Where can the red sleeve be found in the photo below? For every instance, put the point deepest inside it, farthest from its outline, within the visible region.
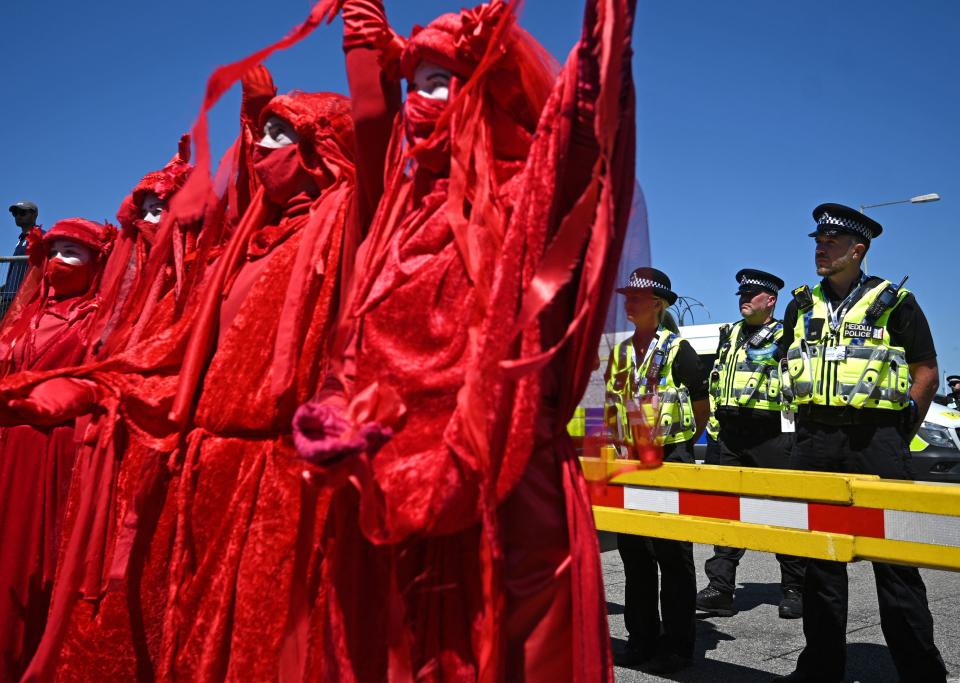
(376, 101)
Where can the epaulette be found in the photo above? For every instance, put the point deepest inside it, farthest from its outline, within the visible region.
(803, 297)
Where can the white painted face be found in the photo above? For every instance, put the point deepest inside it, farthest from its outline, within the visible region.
(431, 81)
(278, 132)
(152, 208)
(70, 252)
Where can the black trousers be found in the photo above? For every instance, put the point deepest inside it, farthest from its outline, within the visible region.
(748, 444)
(904, 615)
(659, 612)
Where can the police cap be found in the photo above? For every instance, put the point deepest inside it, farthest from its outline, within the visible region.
(652, 280)
(753, 280)
(834, 219)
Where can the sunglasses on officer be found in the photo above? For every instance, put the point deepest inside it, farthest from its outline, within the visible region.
(17, 211)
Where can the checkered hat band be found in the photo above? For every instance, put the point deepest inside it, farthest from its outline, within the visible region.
(764, 284)
(846, 223)
(643, 283)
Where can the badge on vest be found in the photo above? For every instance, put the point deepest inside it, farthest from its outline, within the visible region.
(836, 353)
(815, 329)
(862, 331)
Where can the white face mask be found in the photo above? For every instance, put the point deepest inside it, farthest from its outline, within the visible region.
(431, 81)
(152, 208)
(70, 252)
(278, 133)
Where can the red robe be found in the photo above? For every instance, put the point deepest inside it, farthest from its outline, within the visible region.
(204, 537)
(464, 549)
(35, 467)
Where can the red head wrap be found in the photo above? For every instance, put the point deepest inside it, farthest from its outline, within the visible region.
(97, 236)
(324, 122)
(498, 68)
(163, 183)
(454, 41)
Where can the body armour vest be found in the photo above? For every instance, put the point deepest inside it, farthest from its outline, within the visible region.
(845, 358)
(645, 391)
(746, 373)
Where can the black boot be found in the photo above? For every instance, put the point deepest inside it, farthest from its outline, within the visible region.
(715, 602)
(632, 656)
(791, 607)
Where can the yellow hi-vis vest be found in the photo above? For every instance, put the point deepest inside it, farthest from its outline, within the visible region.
(647, 390)
(852, 365)
(746, 373)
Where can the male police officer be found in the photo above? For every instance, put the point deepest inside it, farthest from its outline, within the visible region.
(25, 216)
(953, 395)
(661, 372)
(745, 388)
(862, 369)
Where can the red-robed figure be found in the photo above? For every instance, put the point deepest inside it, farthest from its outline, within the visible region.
(51, 328)
(140, 217)
(182, 564)
(459, 543)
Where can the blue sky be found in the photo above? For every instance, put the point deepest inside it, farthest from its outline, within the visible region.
(750, 114)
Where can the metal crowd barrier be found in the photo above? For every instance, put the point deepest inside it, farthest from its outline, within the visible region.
(839, 517)
(6, 296)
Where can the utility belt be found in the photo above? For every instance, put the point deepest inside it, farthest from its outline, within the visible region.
(844, 417)
(729, 416)
(759, 427)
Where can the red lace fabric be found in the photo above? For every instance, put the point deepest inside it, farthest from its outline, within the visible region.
(36, 462)
(480, 297)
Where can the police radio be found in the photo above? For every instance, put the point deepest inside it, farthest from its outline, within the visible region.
(885, 301)
(804, 298)
(762, 337)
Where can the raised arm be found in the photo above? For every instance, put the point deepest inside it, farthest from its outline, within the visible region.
(370, 45)
(589, 111)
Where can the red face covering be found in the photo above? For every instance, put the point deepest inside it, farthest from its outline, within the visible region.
(420, 115)
(280, 172)
(66, 280)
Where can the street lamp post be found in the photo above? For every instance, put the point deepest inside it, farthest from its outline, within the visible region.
(919, 199)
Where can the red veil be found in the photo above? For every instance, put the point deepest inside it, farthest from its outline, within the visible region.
(480, 298)
(127, 265)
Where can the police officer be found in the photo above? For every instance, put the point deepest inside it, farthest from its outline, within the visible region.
(657, 362)
(862, 369)
(745, 390)
(25, 216)
(953, 382)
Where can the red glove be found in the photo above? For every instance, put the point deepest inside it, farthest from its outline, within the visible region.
(327, 430)
(329, 9)
(323, 434)
(56, 401)
(257, 91)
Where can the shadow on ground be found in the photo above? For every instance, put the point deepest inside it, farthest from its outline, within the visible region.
(751, 595)
(709, 670)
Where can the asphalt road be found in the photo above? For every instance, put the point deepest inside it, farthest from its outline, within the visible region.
(755, 644)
